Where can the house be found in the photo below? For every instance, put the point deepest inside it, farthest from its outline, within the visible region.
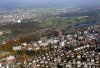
(30, 48)
(25, 44)
(62, 43)
(10, 58)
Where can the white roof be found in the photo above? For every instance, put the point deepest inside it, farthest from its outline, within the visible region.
(10, 58)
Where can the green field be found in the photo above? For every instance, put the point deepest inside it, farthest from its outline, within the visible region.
(60, 22)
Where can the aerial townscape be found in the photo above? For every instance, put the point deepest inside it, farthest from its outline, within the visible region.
(49, 34)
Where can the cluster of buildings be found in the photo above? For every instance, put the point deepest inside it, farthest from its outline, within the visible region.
(79, 48)
(15, 16)
(36, 45)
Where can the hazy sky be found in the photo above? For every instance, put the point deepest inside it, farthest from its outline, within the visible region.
(6, 3)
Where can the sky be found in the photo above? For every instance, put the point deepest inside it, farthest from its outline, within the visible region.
(12, 3)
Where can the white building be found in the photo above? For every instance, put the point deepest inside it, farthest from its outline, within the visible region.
(17, 48)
